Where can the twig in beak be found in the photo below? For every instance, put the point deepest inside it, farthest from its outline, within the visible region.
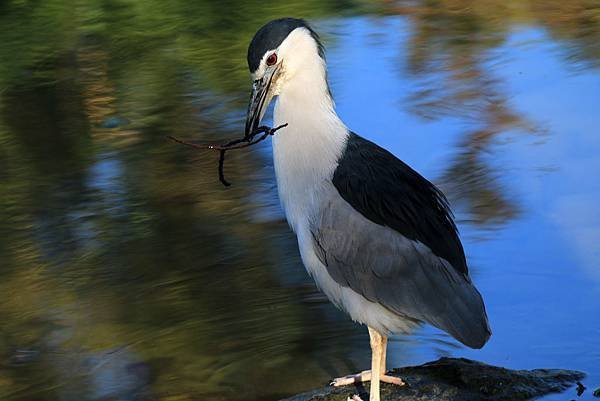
(235, 144)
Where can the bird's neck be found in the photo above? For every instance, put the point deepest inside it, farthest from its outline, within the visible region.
(306, 152)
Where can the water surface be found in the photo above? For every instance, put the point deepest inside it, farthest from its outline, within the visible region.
(130, 273)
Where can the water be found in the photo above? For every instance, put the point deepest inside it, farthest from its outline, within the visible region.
(130, 273)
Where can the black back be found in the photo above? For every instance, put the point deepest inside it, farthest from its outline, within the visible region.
(388, 192)
(270, 37)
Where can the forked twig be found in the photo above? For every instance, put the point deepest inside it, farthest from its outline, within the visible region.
(244, 142)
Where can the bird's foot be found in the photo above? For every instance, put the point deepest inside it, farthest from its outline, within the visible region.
(365, 376)
(355, 397)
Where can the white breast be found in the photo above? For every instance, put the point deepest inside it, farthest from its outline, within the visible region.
(305, 153)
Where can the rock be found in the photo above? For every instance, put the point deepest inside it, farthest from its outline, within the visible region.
(454, 379)
(580, 388)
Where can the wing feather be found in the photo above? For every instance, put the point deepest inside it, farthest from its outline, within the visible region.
(388, 192)
(387, 233)
(400, 274)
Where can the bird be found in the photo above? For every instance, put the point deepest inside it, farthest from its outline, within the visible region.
(378, 238)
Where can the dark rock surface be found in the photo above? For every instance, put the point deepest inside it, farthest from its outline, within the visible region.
(451, 379)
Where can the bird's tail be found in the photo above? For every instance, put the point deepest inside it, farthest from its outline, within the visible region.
(467, 319)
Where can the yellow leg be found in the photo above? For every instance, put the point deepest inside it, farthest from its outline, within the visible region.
(384, 341)
(376, 362)
(379, 351)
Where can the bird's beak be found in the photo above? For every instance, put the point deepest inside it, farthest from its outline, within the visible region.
(259, 100)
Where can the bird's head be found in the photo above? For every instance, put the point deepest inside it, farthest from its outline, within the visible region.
(283, 52)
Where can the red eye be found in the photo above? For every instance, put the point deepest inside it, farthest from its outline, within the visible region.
(272, 59)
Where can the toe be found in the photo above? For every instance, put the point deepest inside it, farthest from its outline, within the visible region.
(351, 379)
(392, 380)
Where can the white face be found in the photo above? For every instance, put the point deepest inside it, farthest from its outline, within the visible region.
(296, 53)
(295, 62)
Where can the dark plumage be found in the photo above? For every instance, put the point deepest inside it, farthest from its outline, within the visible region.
(271, 35)
(401, 250)
(388, 192)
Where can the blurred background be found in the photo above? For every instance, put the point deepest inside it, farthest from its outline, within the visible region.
(128, 272)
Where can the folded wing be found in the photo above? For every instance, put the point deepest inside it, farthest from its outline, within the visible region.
(387, 233)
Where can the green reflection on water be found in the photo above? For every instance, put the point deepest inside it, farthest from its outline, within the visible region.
(127, 271)
(123, 264)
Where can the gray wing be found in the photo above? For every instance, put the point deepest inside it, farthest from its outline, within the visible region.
(403, 275)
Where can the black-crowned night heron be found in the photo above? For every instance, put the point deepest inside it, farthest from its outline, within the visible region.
(376, 236)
